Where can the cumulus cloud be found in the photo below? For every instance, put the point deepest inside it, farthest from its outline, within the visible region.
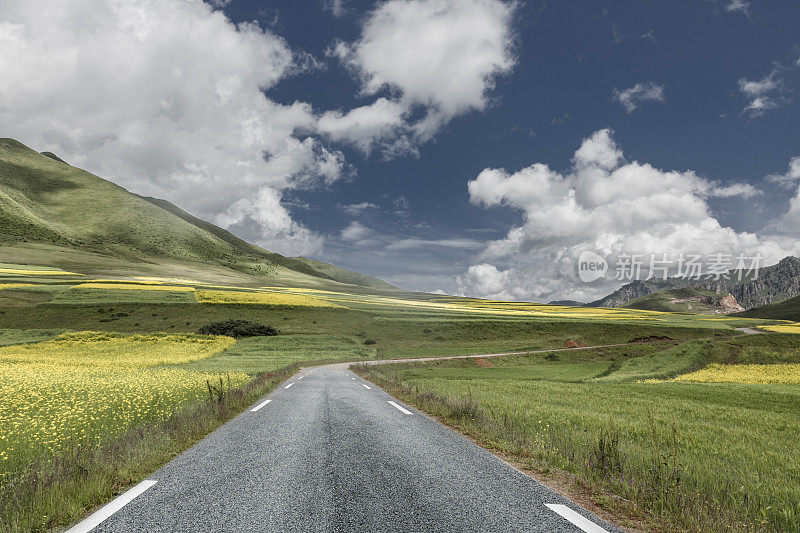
(381, 122)
(603, 203)
(641, 92)
(166, 99)
(435, 58)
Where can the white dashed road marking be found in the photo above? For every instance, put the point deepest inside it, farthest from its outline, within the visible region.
(109, 509)
(583, 523)
(366, 387)
(289, 385)
(259, 406)
(403, 409)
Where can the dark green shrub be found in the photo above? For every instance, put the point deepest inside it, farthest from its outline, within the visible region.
(237, 328)
(370, 342)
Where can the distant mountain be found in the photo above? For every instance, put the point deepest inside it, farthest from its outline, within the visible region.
(566, 302)
(773, 284)
(687, 300)
(45, 201)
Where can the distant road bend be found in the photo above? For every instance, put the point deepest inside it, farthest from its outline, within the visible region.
(327, 451)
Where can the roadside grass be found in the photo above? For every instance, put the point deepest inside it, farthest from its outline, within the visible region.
(255, 355)
(684, 456)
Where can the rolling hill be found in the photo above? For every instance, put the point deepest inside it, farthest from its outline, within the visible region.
(788, 309)
(687, 300)
(50, 205)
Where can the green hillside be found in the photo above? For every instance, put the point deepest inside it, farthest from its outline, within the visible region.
(686, 300)
(47, 203)
(785, 310)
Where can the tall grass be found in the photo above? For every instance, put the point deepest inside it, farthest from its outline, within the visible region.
(682, 463)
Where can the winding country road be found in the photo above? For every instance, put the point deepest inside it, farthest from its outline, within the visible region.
(328, 451)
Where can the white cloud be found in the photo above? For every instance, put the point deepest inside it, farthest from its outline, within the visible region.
(791, 174)
(355, 232)
(744, 190)
(336, 7)
(758, 106)
(641, 92)
(761, 93)
(441, 56)
(165, 98)
(740, 6)
(357, 209)
(380, 122)
(603, 203)
(406, 244)
(759, 87)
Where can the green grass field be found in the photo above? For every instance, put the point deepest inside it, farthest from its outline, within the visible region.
(687, 456)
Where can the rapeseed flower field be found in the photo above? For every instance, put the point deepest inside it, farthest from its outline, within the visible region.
(131, 286)
(87, 387)
(783, 328)
(260, 298)
(750, 373)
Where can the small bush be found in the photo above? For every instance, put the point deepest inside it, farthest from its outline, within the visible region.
(370, 342)
(237, 328)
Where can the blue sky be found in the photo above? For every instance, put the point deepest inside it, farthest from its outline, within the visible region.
(687, 111)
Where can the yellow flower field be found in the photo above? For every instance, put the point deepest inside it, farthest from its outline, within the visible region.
(35, 272)
(783, 328)
(751, 373)
(14, 285)
(260, 298)
(474, 306)
(116, 350)
(130, 286)
(93, 386)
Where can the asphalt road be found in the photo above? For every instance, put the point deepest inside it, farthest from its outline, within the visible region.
(329, 452)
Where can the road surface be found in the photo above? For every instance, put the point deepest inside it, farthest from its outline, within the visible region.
(327, 451)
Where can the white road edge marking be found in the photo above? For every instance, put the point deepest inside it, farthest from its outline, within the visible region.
(289, 385)
(301, 377)
(583, 523)
(259, 406)
(403, 409)
(100, 516)
(366, 387)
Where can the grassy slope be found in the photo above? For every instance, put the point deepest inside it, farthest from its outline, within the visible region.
(256, 355)
(663, 301)
(44, 201)
(696, 456)
(786, 310)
